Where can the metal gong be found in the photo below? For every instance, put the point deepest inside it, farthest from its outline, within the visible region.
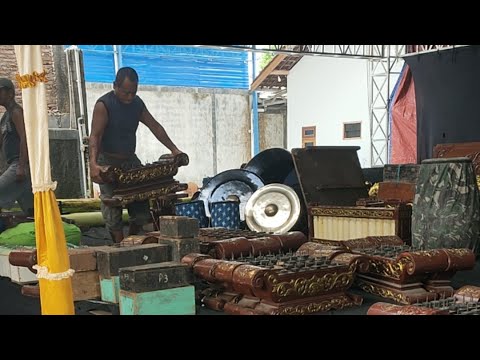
(230, 185)
(273, 208)
(274, 166)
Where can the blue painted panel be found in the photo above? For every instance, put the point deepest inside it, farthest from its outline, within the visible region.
(98, 63)
(170, 65)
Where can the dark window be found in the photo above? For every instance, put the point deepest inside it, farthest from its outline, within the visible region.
(352, 130)
(308, 143)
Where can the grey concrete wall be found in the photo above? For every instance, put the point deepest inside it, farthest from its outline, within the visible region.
(232, 122)
(65, 163)
(272, 130)
(210, 125)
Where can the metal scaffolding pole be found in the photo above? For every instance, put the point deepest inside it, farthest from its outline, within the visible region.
(382, 76)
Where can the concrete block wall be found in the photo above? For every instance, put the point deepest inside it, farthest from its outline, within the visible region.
(211, 125)
(64, 144)
(272, 128)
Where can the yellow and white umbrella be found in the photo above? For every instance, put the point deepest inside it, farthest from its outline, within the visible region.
(53, 265)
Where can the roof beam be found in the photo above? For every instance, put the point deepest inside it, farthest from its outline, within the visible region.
(280, 72)
(267, 71)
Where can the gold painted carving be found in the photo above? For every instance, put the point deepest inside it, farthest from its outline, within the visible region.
(469, 291)
(391, 269)
(458, 252)
(30, 80)
(127, 199)
(385, 293)
(145, 174)
(427, 253)
(335, 303)
(406, 310)
(313, 286)
(355, 213)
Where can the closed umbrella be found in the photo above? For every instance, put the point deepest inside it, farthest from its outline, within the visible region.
(53, 265)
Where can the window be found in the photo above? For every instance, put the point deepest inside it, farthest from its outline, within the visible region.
(309, 136)
(352, 130)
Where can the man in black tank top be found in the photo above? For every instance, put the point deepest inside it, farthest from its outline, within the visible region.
(15, 182)
(116, 116)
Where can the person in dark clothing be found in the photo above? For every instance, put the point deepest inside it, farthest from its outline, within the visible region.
(115, 120)
(15, 182)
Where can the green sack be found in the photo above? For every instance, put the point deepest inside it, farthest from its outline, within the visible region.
(24, 235)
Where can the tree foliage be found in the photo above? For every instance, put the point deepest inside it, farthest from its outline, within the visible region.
(265, 59)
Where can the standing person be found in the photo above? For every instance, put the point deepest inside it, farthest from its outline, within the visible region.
(15, 182)
(115, 120)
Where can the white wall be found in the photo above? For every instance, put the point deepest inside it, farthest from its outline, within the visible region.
(326, 92)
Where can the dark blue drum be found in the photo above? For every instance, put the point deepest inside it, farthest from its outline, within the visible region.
(193, 209)
(225, 214)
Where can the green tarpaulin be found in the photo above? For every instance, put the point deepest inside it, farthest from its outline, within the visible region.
(24, 235)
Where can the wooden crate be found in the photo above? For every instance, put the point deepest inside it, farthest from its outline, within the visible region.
(109, 289)
(86, 285)
(340, 223)
(109, 261)
(153, 277)
(177, 301)
(82, 259)
(402, 191)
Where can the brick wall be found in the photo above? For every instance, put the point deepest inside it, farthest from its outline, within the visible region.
(8, 69)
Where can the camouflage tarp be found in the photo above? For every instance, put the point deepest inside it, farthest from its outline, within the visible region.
(446, 212)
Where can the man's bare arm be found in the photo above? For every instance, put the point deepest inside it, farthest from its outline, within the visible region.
(158, 131)
(18, 121)
(99, 123)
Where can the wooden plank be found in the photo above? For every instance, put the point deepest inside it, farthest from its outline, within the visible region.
(82, 259)
(178, 301)
(267, 70)
(154, 277)
(86, 285)
(280, 72)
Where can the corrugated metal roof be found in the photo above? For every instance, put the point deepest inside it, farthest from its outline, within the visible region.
(170, 65)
